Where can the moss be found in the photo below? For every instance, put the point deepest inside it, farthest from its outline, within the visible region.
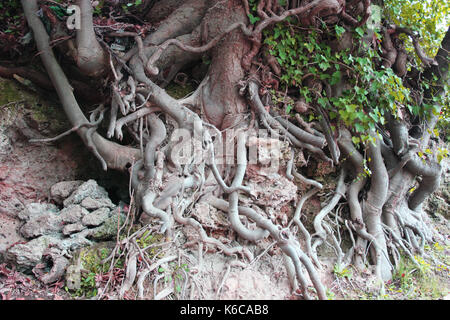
(91, 257)
(41, 113)
(148, 239)
(9, 92)
(85, 266)
(177, 91)
(108, 230)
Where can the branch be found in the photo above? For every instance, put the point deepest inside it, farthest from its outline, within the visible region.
(427, 61)
(152, 70)
(116, 156)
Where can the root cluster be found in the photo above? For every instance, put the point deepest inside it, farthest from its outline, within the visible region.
(173, 162)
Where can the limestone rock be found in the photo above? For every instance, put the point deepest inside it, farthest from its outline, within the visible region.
(72, 214)
(68, 229)
(58, 262)
(41, 225)
(26, 255)
(96, 217)
(270, 188)
(92, 204)
(73, 228)
(108, 230)
(35, 209)
(89, 188)
(64, 189)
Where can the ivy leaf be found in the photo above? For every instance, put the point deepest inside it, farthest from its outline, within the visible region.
(359, 31)
(289, 108)
(335, 77)
(356, 140)
(339, 30)
(276, 32)
(359, 127)
(324, 65)
(253, 19)
(322, 102)
(282, 55)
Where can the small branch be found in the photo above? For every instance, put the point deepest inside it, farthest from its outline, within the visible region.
(150, 66)
(339, 192)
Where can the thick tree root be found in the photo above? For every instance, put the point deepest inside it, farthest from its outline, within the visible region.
(166, 189)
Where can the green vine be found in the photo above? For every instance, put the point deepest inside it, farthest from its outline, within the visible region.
(373, 90)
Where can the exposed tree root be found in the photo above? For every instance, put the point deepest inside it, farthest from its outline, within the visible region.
(175, 166)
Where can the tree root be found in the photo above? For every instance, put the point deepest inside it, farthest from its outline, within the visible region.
(167, 190)
(289, 246)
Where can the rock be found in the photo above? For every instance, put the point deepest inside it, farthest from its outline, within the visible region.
(270, 188)
(209, 216)
(35, 209)
(90, 203)
(26, 255)
(58, 263)
(28, 170)
(267, 150)
(73, 275)
(41, 225)
(108, 230)
(248, 284)
(72, 214)
(64, 189)
(73, 228)
(90, 189)
(9, 233)
(96, 218)
(66, 230)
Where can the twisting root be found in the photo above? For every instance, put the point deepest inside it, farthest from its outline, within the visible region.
(93, 124)
(338, 194)
(150, 66)
(270, 123)
(297, 220)
(133, 117)
(289, 246)
(180, 208)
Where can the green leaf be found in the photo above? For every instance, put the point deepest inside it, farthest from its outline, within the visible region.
(289, 108)
(324, 65)
(335, 77)
(356, 140)
(323, 102)
(339, 30)
(359, 31)
(276, 33)
(359, 127)
(253, 19)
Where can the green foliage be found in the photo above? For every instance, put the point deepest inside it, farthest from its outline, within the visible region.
(149, 239)
(175, 274)
(342, 272)
(373, 92)
(91, 264)
(414, 282)
(11, 18)
(428, 18)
